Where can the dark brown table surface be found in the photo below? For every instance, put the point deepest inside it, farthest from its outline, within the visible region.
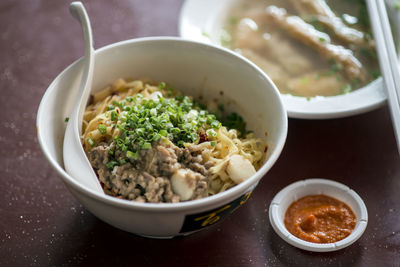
(41, 224)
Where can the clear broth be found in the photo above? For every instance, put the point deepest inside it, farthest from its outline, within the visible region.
(296, 68)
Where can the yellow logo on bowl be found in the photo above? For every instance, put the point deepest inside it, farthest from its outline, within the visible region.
(197, 221)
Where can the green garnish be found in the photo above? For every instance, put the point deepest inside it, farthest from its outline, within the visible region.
(114, 115)
(225, 38)
(178, 119)
(396, 5)
(102, 128)
(163, 133)
(111, 164)
(346, 88)
(234, 121)
(132, 155)
(215, 124)
(336, 67)
(322, 40)
(143, 122)
(162, 85)
(316, 23)
(374, 73)
(205, 34)
(91, 142)
(212, 133)
(146, 145)
(369, 53)
(66, 119)
(355, 83)
(304, 80)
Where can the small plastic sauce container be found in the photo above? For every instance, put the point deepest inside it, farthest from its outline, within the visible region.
(308, 187)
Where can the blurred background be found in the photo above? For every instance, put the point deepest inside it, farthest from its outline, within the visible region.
(41, 224)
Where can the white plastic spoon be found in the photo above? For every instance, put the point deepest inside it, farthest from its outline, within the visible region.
(75, 161)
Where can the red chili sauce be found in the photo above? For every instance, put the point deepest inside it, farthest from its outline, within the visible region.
(320, 219)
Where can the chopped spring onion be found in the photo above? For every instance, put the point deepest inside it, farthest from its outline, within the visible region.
(102, 128)
(111, 164)
(91, 142)
(176, 118)
(114, 115)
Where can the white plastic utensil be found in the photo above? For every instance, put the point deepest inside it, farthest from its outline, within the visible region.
(387, 60)
(75, 161)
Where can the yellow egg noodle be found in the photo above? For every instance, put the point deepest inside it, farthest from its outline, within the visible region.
(226, 143)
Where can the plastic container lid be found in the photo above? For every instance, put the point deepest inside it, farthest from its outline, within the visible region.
(303, 188)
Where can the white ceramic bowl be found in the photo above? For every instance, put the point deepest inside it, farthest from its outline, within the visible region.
(193, 68)
(303, 188)
(202, 20)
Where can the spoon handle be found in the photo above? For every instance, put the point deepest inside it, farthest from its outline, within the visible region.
(75, 161)
(78, 11)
